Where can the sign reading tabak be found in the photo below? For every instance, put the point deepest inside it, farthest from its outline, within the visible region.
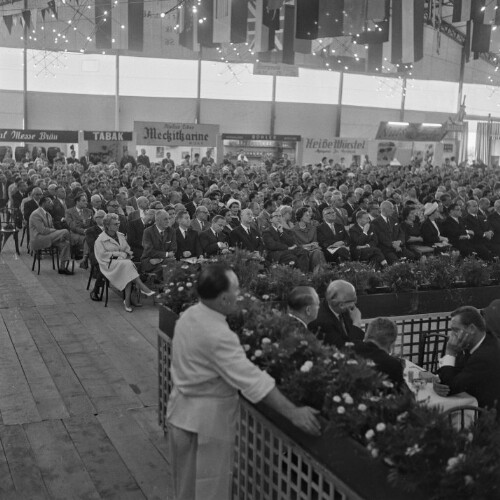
(176, 134)
(54, 136)
(106, 136)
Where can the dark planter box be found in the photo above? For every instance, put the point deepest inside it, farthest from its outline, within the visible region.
(348, 460)
(425, 302)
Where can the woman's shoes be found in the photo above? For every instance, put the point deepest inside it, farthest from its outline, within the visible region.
(148, 294)
(127, 308)
(95, 296)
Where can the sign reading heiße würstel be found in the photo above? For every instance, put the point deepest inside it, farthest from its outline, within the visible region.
(54, 136)
(176, 134)
(101, 135)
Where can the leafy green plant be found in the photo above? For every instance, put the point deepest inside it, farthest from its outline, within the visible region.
(474, 272)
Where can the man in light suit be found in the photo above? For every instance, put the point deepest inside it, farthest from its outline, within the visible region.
(43, 234)
(200, 222)
(159, 244)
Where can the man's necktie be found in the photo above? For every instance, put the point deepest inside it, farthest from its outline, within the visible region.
(343, 327)
(48, 218)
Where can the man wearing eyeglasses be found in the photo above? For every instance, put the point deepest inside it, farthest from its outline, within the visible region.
(339, 320)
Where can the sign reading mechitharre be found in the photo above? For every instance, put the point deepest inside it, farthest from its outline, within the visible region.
(175, 134)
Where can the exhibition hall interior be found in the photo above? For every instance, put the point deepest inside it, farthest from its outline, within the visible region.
(250, 249)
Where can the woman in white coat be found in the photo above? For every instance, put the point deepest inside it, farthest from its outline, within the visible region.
(113, 254)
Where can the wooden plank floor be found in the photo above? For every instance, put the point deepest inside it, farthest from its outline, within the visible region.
(78, 390)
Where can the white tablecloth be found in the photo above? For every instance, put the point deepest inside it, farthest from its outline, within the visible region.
(427, 395)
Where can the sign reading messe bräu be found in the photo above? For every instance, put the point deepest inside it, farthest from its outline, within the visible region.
(175, 134)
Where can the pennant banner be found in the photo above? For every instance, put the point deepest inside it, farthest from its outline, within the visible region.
(407, 31)
(230, 21)
(319, 18)
(461, 11)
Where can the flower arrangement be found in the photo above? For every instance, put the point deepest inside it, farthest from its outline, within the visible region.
(474, 272)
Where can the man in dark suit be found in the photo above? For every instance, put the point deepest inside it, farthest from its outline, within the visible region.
(303, 306)
(454, 229)
(135, 233)
(332, 237)
(281, 246)
(212, 241)
(245, 236)
(142, 204)
(472, 360)
(377, 346)
(59, 209)
(192, 205)
(350, 206)
(480, 232)
(363, 246)
(4, 190)
(494, 223)
(339, 320)
(386, 233)
(188, 242)
(159, 244)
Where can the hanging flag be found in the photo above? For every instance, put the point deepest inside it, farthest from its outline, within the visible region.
(374, 57)
(188, 29)
(478, 8)
(376, 10)
(206, 24)
(275, 4)
(319, 18)
(103, 35)
(27, 18)
(8, 23)
(135, 25)
(480, 37)
(230, 21)
(52, 6)
(355, 16)
(43, 12)
(378, 33)
(265, 26)
(491, 13)
(288, 55)
(407, 31)
(462, 10)
(300, 45)
(33, 18)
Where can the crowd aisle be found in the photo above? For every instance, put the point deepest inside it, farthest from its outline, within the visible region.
(78, 391)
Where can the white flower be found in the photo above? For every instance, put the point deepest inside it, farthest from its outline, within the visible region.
(304, 342)
(291, 263)
(337, 399)
(246, 347)
(380, 427)
(338, 355)
(375, 399)
(171, 284)
(189, 285)
(341, 410)
(184, 267)
(180, 288)
(266, 340)
(468, 480)
(258, 353)
(369, 434)
(247, 332)
(239, 298)
(413, 450)
(352, 362)
(362, 407)
(349, 344)
(386, 383)
(374, 453)
(265, 297)
(347, 398)
(454, 461)
(306, 367)
(470, 437)
(370, 363)
(253, 298)
(402, 417)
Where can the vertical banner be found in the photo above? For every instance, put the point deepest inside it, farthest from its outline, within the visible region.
(136, 25)
(230, 21)
(407, 31)
(289, 35)
(103, 24)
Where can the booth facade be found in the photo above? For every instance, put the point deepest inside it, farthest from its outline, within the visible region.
(178, 139)
(261, 147)
(27, 144)
(106, 145)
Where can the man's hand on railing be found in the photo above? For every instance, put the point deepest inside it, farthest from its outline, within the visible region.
(305, 419)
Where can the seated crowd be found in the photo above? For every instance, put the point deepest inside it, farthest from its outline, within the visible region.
(303, 216)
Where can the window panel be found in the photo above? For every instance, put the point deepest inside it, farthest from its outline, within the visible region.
(11, 69)
(371, 91)
(431, 95)
(311, 86)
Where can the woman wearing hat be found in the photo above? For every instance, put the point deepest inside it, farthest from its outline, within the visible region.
(234, 207)
(430, 229)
